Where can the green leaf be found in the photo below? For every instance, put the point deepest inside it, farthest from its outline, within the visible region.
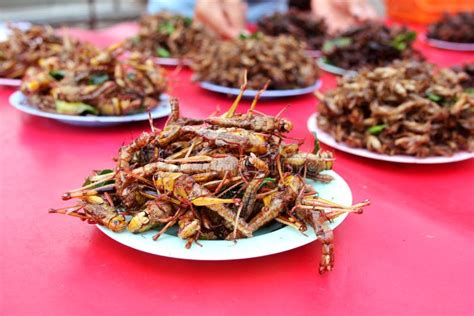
(99, 173)
(316, 145)
(401, 41)
(326, 60)
(338, 42)
(97, 79)
(162, 52)
(104, 171)
(469, 91)
(167, 28)
(75, 108)
(376, 129)
(57, 74)
(433, 97)
(135, 39)
(187, 21)
(265, 181)
(256, 35)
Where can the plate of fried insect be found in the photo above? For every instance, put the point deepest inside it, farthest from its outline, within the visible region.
(221, 188)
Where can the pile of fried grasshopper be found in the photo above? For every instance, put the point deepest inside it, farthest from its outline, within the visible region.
(222, 177)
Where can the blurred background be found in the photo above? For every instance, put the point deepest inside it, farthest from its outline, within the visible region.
(93, 13)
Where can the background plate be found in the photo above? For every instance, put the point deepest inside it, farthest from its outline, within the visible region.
(267, 94)
(314, 53)
(19, 101)
(275, 241)
(333, 69)
(330, 141)
(5, 30)
(447, 45)
(10, 82)
(172, 61)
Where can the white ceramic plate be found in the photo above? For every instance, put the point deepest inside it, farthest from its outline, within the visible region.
(4, 33)
(5, 30)
(10, 82)
(19, 101)
(270, 240)
(172, 61)
(330, 141)
(267, 94)
(314, 53)
(334, 69)
(448, 45)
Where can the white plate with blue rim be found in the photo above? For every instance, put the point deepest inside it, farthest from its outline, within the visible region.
(269, 240)
(327, 139)
(266, 94)
(19, 101)
(324, 65)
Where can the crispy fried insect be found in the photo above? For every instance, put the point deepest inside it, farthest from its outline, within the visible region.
(155, 213)
(95, 210)
(219, 178)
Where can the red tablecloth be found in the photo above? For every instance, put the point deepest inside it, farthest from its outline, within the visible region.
(410, 253)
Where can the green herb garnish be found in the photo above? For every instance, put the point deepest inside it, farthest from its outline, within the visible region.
(434, 97)
(326, 60)
(469, 91)
(376, 129)
(187, 21)
(338, 42)
(135, 39)
(401, 41)
(316, 145)
(74, 108)
(167, 28)
(265, 181)
(57, 74)
(255, 35)
(97, 79)
(162, 52)
(99, 173)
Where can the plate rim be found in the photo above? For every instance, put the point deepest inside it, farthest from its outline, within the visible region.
(172, 61)
(327, 139)
(209, 86)
(8, 82)
(294, 239)
(17, 99)
(314, 53)
(335, 70)
(441, 44)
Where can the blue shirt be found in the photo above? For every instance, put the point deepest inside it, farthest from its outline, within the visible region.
(256, 8)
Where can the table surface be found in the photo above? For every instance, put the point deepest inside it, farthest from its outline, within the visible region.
(410, 253)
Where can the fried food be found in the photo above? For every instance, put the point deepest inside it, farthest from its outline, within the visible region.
(25, 49)
(299, 24)
(280, 60)
(370, 44)
(168, 35)
(223, 177)
(407, 108)
(104, 84)
(467, 81)
(456, 28)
